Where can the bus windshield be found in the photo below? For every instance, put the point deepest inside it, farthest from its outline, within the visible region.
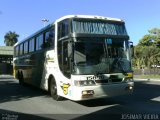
(101, 56)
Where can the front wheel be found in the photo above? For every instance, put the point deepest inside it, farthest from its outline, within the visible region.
(53, 90)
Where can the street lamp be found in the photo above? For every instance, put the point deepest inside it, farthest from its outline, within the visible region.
(45, 21)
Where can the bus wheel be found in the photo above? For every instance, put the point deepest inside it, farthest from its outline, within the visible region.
(53, 90)
(20, 78)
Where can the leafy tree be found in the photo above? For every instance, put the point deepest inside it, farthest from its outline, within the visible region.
(147, 40)
(137, 60)
(10, 38)
(146, 53)
(154, 31)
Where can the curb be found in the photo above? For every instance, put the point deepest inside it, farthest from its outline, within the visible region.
(146, 79)
(6, 77)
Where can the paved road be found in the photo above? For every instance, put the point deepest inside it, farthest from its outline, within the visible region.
(19, 103)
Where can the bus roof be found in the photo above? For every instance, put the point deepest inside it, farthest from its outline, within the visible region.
(89, 17)
(71, 16)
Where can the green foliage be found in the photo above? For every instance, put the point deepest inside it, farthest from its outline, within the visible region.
(147, 52)
(154, 31)
(147, 40)
(10, 38)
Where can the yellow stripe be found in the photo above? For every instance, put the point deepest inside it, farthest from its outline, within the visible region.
(50, 59)
(14, 71)
(130, 75)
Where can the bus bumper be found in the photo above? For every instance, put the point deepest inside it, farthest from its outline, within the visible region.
(101, 91)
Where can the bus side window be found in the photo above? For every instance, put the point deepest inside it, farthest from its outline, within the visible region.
(21, 49)
(16, 51)
(63, 28)
(31, 45)
(26, 47)
(49, 38)
(39, 42)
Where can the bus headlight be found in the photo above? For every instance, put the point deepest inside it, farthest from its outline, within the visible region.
(84, 83)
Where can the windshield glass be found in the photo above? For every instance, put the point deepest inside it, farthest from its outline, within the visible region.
(101, 55)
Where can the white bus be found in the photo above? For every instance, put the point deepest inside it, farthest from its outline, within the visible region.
(78, 57)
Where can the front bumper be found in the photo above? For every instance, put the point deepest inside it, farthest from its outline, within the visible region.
(101, 91)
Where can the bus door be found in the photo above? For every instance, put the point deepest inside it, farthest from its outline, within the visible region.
(64, 57)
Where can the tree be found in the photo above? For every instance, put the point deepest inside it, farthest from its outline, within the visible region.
(147, 52)
(138, 59)
(147, 40)
(10, 38)
(154, 31)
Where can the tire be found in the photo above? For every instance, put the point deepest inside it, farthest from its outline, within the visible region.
(53, 90)
(20, 78)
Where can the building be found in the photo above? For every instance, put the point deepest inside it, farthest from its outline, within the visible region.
(6, 58)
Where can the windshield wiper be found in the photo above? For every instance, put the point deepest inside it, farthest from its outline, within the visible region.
(118, 64)
(121, 66)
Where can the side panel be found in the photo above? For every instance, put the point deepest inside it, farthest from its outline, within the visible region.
(49, 68)
(31, 66)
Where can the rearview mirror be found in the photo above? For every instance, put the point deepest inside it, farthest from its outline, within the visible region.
(131, 48)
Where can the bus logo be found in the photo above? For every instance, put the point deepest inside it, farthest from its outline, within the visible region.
(99, 77)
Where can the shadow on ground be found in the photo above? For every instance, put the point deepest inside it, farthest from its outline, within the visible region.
(139, 103)
(136, 106)
(10, 90)
(10, 115)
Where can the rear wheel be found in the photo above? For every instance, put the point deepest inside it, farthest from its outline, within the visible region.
(20, 78)
(53, 90)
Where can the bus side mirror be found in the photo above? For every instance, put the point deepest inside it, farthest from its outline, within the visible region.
(131, 44)
(131, 48)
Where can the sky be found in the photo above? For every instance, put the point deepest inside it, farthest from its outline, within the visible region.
(25, 16)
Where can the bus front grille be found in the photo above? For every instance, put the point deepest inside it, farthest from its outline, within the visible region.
(101, 81)
(108, 81)
(116, 80)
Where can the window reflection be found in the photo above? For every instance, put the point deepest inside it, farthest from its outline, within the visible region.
(95, 55)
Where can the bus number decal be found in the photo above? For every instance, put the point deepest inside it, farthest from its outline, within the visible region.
(65, 88)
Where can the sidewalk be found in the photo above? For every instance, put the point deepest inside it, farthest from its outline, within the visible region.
(139, 78)
(6, 77)
(150, 79)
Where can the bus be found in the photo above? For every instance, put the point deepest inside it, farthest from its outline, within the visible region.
(78, 57)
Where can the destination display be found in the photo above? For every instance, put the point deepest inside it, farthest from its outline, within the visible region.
(98, 27)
